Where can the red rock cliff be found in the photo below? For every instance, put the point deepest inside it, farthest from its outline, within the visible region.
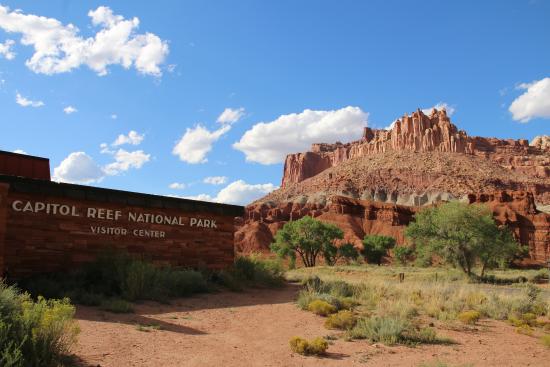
(360, 217)
(421, 133)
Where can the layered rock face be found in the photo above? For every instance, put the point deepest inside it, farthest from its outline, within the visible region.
(421, 133)
(357, 218)
(377, 184)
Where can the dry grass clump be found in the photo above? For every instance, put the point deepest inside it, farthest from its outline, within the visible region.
(321, 308)
(117, 305)
(343, 320)
(545, 340)
(385, 330)
(525, 330)
(390, 312)
(469, 317)
(317, 346)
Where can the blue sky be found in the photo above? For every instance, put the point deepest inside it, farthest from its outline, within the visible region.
(177, 69)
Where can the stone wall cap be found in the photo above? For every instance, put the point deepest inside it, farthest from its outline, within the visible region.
(4, 152)
(81, 192)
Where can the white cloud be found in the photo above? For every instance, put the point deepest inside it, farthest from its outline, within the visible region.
(19, 151)
(215, 180)
(78, 167)
(69, 109)
(237, 192)
(269, 143)
(177, 186)
(125, 160)
(105, 149)
(114, 116)
(441, 105)
(22, 101)
(230, 115)
(195, 144)
(533, 103)
(5, 49)
(59, 48)
(133, 138)
(200, 197)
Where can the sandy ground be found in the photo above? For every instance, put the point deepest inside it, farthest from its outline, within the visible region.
(253, 328)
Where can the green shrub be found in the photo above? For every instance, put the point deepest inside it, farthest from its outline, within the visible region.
(375, 247)
(317, 346)
(347, 303)
(305, 297)
(117, 305)
(540, 277)
(402, 254)
(545, 340)
(118, 275)
(469, 317)
(34, 333)
(228, 280)
(526, 319)
(343, 320)
(259, 271)
(425, 335)
(380, 329)
(321, 308)
(525, 330)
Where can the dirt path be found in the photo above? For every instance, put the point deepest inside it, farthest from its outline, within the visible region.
(253, 329)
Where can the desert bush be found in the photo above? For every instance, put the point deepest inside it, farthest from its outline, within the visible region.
(116, 305)
(259, 271)
(227, 279)
(525, 330)
(317, 346)
(545, 340)
(34, 333)
(530, 302)
(348, 252)
(540, 277)
(118, 275)
(424, 335)
(321, 308)
(403, 254)
(469, 317)
(343, 320)
(528, 319)
(305, 297)
(375, 247)
(385, 330)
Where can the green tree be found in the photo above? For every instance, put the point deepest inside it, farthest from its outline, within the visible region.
(402, 254)
(307, 237)
(346, 252)
(463, 235)
(375, 247)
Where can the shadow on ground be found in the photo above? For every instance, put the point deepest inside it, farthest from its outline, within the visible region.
(143, 310)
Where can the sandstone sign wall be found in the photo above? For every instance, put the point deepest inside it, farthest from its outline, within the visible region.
(47, 226)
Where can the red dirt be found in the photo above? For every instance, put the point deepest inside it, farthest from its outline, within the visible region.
(253, 329)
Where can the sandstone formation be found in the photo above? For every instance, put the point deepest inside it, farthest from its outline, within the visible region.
(376, 184)
(541, 142)
(422, 133)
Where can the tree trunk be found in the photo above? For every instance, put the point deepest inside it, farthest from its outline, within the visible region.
(483, 264)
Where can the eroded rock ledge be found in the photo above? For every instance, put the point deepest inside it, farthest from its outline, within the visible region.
(358, 217)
